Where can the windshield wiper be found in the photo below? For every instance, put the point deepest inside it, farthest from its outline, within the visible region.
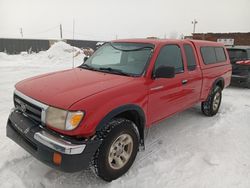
(85, 66)
(117, 71)
(106, 69)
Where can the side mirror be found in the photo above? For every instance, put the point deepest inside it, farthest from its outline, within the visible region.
(85, 59)
(164, 72)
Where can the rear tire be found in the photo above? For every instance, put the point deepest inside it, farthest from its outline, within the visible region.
(118, 150)
(211, 106)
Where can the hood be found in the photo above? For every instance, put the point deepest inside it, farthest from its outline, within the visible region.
(62, 89)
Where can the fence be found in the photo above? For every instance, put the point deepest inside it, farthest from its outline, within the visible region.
(82, 43)
(15, 46)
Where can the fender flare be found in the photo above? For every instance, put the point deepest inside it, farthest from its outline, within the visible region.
(121, 109)
(220, 79)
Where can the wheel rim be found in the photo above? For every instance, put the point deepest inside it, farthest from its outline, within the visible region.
(216, 101)
(120, 151)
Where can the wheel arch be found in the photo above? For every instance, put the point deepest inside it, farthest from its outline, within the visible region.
(130, 111)
(219, 82)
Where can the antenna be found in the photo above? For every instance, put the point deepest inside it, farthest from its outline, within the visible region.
(73, 62)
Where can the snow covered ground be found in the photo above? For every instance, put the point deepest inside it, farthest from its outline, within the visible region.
(185, 151)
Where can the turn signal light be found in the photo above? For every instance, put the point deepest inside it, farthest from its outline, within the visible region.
(75, 120)
(57, 158)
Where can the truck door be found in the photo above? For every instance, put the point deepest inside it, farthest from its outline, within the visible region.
(193, 77)
(166, 95)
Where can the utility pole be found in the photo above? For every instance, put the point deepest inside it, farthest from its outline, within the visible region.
(61, 31)
(194, 23)
(73, 29)
(182, 36)
(21, 32)
(73, 62)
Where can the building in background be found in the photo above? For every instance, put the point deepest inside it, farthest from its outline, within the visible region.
(229, 39)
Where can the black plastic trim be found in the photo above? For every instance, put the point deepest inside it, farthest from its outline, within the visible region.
(21, 130)
(217, 81)
(121, 109)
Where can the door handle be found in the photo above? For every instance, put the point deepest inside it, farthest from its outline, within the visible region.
(184, 82)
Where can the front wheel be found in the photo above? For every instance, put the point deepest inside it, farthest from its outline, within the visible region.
(118, 149)
(211, 106)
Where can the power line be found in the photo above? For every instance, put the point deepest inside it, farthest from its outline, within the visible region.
(83, 34)
(73, 62)
(44, 31)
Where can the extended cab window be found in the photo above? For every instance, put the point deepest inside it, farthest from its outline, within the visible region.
(220, 54)
(208, 55)
(191, 62)
(170, 55)
(212, 55)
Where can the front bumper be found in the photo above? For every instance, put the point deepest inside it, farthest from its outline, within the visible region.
(42, 144)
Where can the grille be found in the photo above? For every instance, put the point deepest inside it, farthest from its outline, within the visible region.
(29, 109)
(28, 142)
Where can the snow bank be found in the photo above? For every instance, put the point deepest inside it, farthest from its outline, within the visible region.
(60, 53)
(61, 50)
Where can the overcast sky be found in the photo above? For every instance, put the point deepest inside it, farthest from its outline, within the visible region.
(106, 19)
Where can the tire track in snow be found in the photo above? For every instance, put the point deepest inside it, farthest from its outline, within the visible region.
(12, 163)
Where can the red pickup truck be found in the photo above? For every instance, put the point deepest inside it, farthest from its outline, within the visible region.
(98, 112)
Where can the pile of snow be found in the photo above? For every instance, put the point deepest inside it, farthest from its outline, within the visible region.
(186, 151)
(3, 55)
(59, 54)
(61, 50)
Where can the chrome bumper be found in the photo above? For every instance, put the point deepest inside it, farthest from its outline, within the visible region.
(58, 144)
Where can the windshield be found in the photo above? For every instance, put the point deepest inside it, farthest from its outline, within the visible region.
(121, 58)
(237, 55)
(248, 53)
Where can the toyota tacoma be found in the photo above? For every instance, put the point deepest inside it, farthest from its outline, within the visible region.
(96, 114)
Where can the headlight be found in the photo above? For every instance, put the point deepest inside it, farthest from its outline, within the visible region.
(62, 119)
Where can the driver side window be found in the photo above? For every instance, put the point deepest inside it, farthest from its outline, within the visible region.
(170, 55)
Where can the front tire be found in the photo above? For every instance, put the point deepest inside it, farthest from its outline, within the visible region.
(118, 150)
(211, 106)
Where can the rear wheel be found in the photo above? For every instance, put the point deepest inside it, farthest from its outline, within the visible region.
(211, 106)
(118, 149)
